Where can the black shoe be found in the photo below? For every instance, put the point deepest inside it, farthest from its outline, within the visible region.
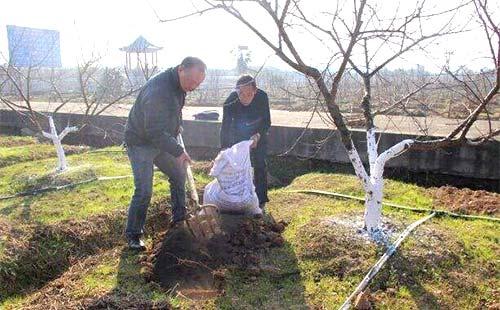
(136, 244)
(178, 224)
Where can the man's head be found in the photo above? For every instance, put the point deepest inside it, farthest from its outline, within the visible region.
(191, 73)
(246, 89)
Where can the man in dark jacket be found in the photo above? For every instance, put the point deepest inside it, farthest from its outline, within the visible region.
(246, 116)
(153, 124)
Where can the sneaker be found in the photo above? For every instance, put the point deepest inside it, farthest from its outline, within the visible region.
(136, 244)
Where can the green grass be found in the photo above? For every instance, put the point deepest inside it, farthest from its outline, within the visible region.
(25, 153)
(72, 239)
(394, 191)
(79, 202)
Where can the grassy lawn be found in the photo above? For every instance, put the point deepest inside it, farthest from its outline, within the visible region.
(17, 149)
(65, 249)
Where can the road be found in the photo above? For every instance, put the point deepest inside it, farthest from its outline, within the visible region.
(435, 126)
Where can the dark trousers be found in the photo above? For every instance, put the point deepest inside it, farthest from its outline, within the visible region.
(259, 164)
(142, 159)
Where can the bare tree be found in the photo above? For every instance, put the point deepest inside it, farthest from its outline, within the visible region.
(37, 94)
(101, 88)
(361, 40)
(25, 81)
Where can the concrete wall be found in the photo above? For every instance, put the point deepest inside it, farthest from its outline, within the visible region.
(476, 162)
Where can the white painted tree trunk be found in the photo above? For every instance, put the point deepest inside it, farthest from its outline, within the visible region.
(373, 183)
(373, 205)
(62, 164)
(373, 196)
(61, 156)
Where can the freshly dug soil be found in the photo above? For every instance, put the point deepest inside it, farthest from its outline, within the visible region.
(197, 267)
(467, 201)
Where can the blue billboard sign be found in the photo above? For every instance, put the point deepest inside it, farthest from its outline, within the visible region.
(31, 47)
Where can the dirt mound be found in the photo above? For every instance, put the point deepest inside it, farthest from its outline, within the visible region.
(35, 254)
(467, 201)
(50, 259)
(125, 302)
(197, 267)
(341, 250)
(11, 141)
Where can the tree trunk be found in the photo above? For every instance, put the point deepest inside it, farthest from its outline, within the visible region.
(375, 189)
(61, 156)
(56, 139)
(373, 205)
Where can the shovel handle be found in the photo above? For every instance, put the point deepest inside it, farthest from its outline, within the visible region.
(190, 178)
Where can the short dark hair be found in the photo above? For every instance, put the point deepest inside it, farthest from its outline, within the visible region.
(245, 80)
(190, 62)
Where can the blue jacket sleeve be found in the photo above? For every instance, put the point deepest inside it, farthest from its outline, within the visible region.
(266, 122)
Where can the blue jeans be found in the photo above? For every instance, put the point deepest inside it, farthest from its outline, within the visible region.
(142, 158)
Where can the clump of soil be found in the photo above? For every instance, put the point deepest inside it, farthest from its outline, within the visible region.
(467, 201)
(197, 267)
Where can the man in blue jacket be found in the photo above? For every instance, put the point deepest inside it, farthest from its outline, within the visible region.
(246, 116)
(153, 124)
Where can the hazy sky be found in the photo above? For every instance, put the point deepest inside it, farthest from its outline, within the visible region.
(102, 27)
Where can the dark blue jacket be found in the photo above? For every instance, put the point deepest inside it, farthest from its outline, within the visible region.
(240, 122)
(156, 116)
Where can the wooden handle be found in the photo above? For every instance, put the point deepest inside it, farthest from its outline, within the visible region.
(191, 185)
(190, 178)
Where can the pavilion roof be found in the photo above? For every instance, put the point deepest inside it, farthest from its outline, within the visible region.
(141, 45)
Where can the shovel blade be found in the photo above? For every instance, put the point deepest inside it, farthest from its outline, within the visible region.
(205, 223)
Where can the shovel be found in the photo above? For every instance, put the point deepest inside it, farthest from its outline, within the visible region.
(203, 220)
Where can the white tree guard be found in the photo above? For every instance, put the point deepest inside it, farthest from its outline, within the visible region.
(56, 139)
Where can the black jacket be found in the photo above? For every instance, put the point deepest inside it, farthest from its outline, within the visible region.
(156, 116)
(240, 122)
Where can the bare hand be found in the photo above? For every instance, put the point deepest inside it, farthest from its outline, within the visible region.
(183, 159)
(255, 138)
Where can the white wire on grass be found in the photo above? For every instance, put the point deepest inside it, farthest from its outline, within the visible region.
(60, 187)
(380, 263)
